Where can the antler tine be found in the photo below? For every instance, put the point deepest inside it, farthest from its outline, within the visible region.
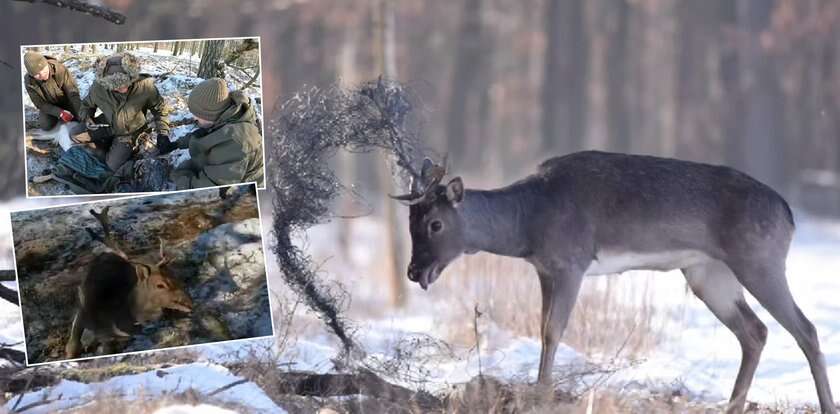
(108, 238)
(163, 259)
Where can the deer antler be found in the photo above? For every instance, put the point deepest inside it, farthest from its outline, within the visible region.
(432, 174)
(163, 258)
(108, 239)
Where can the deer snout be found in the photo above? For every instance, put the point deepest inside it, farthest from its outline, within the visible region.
(413, 273)
(183, 304)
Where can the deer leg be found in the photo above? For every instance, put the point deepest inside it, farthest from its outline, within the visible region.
(767, 283)
(716, 285)
(559, 292)
(74, 343)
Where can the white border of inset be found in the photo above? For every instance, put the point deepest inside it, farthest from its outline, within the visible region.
(144, 195)
(23, 110)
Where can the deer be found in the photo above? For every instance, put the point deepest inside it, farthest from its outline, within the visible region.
(597, 213)
(118, 294)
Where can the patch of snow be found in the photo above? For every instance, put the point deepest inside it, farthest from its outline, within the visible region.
(193, 409)
(203, 378)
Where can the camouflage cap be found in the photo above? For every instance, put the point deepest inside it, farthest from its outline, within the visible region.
(117, 70)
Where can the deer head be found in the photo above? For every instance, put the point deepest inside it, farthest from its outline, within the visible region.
(437, 234)
(156, 290)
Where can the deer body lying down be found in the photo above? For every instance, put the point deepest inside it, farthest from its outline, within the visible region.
(117, 295)
(592, 213)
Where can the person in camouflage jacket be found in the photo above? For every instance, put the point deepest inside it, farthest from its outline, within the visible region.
(124, 95)
(227, 146)
(52, 89)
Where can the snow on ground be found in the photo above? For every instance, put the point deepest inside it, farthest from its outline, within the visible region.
(700, 356)
(203, 378)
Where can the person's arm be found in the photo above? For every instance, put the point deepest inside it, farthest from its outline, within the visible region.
(71, 91)
(226, 164)
(160, 111)
(88, 107)
(40, 102)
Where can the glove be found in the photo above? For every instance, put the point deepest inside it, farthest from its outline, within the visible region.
(164, 145)
(66, 116)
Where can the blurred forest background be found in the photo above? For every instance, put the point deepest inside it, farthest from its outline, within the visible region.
(750, 83)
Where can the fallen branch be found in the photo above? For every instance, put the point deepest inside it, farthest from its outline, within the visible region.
(84, 7)
(13, 355)
(9, 295)
(227, 387)
(7, 275)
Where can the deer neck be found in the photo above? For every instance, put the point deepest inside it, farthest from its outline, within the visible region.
(142, 307)
(493, 222)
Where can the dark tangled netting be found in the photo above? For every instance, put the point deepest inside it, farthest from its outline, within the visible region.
(308, 130)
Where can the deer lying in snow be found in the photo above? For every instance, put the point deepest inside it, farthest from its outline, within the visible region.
(594, 213)
(118, 294)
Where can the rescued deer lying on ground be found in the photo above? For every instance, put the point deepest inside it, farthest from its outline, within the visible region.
(594, 213)
(118, 294)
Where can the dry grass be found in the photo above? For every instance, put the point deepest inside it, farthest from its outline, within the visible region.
(604, 321)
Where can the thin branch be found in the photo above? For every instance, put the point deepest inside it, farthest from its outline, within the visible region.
(84, 7)
(13, 355)
(253, 79)
(9, 295)
(227, 387)
(7, 275)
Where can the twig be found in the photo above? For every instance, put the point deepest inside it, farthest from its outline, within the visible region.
(36, 404)
(477, 315)
(253, 78)
(83, 7)
(227, 387)
(25, 389)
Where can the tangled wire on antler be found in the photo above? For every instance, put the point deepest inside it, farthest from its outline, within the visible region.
(308, 130)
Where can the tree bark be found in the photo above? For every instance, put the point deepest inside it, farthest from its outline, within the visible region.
(463, 94)
(564, 97)
(394, 246)
(211, 59)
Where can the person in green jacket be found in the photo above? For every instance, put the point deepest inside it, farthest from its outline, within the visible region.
(227, 146)
(124, 96)
(52, 89)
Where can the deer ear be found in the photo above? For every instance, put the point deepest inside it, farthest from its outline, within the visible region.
(455, 190)
(427, 166)
(143, 271)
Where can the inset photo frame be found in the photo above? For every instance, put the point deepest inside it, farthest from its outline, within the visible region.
(142, 116)
(141, 273)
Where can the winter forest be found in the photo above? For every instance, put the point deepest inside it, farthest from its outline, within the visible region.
(499, 86)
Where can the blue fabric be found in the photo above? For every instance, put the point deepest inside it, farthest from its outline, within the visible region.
(84, 163)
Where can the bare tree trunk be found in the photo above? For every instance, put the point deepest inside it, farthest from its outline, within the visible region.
(156, 47)
(386, 54)
(764, 121)
(618, 118)
(462, 91)
(564, 98)
(211, 59)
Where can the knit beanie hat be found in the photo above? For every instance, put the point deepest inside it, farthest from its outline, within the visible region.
(34, 62)
(209, 99)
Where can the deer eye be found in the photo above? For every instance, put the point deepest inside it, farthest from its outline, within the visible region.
(436, 226)
(161, 286)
